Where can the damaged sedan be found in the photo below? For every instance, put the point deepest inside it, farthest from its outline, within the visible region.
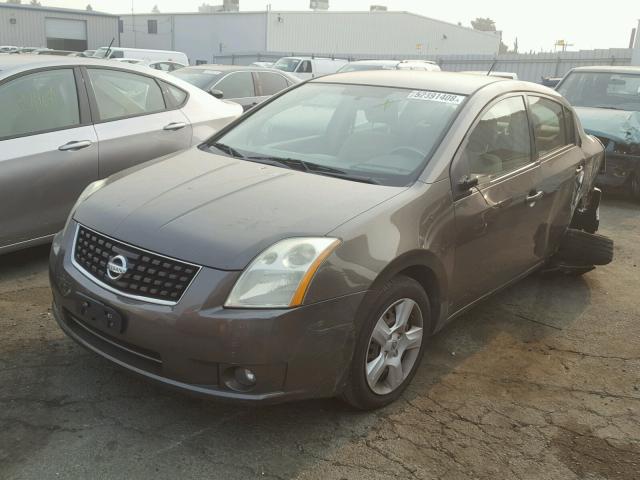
(310, 248)
(607, 101)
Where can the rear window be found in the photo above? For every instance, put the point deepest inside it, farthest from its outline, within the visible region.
(203, 78)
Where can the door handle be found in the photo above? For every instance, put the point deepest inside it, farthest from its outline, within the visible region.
(533, 197)
(175, 126)
(73, 146)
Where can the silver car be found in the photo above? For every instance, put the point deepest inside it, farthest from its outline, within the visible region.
(68, 121)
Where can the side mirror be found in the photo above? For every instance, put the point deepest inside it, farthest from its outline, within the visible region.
(216, 93)
(467, 183)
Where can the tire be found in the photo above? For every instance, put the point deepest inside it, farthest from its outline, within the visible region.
(399, 365)
(580, 248)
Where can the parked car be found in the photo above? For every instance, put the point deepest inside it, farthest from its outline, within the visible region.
(165, 66)
(247, 86)
(262, 64)
(607, 101)
(508, 75)
(551, 82)
(142, 54)
(309, 67)
(56, 137)
(50, 51)
(275, 263)
(9, 49)
(362, 65)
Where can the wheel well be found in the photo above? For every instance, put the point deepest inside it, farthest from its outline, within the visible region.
(427, 278)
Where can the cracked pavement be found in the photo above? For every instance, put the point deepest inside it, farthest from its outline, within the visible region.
(540, 382)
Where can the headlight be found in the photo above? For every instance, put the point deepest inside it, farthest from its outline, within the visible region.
(280, 276)
(86, 193)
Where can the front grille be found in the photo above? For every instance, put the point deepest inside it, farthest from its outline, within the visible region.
(148, 275)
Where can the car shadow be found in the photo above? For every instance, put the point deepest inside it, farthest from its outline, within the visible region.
(68, 398)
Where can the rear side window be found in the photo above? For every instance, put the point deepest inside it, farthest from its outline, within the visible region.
(38, 102)
(501, 141)
(549, 125)
(123, 94)
(237, 85)
(174, 96)
(571, 126)
(272, 83)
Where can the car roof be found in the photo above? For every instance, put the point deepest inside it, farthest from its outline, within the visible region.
(608, 69)
(12, 64)
(226, 68)
(412, 79)
(448, 82)
(377, 62)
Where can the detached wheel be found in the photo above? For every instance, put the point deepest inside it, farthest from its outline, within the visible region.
(390, 346)
(584, 249)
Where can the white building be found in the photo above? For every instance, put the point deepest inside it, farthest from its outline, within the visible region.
(377, 34)
(57, 28)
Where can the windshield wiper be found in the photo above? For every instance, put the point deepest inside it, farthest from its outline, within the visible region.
(228, 150)
(311, 167)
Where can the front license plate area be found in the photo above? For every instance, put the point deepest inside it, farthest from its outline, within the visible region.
(98, 315)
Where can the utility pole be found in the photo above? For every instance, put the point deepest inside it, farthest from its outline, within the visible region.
(133, 26)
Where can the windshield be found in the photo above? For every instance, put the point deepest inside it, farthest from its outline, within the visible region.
(287, 64)
(200, 77)
(603, 90)
(379, 134)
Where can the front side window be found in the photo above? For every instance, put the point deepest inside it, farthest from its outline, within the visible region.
(365, 133)
(500, 142)
(237, 85)
(549, 126)
(123, 94)
(38, 102)
(305, 67)
(602, 90)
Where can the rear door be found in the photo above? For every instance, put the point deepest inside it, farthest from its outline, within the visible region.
(497, 222)
(562, 164)
(239, 87)
(133, 119)
(48, 152)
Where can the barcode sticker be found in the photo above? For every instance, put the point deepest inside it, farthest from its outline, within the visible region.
(436, 97)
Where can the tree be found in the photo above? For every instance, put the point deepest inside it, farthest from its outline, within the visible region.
(35, 3)
(15, 2)
(155, 9)
(484, 24)
(515, 45)
(89, 8)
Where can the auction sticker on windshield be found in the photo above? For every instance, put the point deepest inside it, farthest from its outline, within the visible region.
(436, 97)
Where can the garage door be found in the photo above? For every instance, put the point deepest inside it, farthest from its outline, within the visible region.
(63, 34)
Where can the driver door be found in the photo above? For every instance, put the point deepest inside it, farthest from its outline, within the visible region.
(498, 223)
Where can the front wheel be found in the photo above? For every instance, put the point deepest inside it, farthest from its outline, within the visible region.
(390, 345)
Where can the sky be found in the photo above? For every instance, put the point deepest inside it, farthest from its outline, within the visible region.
(536, 24)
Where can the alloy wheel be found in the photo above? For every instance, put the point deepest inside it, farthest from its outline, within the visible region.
(394, 346)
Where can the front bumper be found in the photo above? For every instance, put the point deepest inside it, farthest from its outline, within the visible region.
(194, 345)
(618, 170)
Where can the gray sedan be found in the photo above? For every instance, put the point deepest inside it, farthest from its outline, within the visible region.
(282, 260)
(247, 86)
(66, 122)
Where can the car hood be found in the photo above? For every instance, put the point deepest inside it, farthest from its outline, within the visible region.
(219, 211)
(621, 126)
